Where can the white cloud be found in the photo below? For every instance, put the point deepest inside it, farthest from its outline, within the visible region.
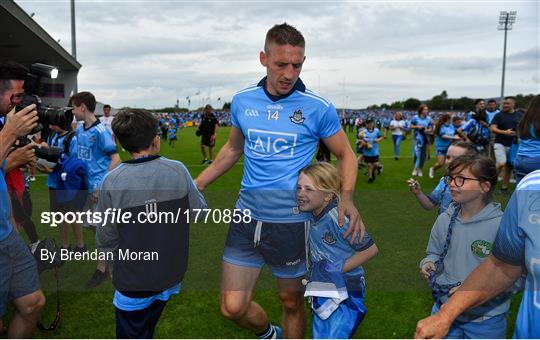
(148, 53)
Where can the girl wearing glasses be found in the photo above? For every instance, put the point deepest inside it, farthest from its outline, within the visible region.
(461, 239)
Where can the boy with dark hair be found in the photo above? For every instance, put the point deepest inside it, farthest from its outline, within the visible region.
(143, 287)
(96, 148)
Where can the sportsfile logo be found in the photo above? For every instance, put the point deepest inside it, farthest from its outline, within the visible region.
(270, 143)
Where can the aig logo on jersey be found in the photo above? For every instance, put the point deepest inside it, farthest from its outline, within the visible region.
(297, 118)
(269, 143)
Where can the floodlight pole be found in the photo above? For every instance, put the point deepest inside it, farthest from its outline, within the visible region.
(73, 40)
(506, 19)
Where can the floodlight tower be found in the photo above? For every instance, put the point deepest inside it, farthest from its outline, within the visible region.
(506, 20)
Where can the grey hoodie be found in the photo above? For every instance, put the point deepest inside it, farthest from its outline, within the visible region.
(471, 243)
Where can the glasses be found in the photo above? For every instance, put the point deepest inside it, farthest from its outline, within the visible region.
(459, 181)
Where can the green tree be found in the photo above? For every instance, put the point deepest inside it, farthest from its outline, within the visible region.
(411, 104)
(226, 106)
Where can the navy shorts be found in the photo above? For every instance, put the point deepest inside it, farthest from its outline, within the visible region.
(281, 246)
(18, 271)
(442, 152)
(139, 324)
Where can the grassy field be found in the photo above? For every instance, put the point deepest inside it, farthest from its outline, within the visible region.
(397, 297)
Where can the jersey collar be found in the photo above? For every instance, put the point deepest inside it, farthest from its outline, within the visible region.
(326, 209)
(298, 86)
(91, 126)
(142, 159)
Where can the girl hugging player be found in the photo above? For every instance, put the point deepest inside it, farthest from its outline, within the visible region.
(336, 284)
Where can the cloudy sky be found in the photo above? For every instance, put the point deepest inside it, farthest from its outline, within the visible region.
(149, 53)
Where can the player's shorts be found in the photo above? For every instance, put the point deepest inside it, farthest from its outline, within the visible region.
(18, 270)
(442, 152)
(430, 139)
(281, 246)
(56, 206)
(205, 140)
(172, 138)
(501, 153)
(371, 159)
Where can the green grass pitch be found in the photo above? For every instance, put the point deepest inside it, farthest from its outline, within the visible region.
(396, 299)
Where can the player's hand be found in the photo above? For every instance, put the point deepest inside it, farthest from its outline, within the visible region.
(427, 269)
(22, 122)
(94, 197)
(414, 186)
(212, 139)
(510, 132)
(433, 327)
(356, 225)
(43, 168)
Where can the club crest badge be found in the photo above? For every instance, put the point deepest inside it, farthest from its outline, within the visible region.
(297, 118)
(481, 248)
(328, 238)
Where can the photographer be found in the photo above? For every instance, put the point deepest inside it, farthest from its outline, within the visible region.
(19, 281)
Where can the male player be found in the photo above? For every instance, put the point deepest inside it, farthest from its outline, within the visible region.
(276, 125)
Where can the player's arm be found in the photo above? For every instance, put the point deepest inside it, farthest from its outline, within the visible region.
(229, 154)
(338, 144)
(488, 280)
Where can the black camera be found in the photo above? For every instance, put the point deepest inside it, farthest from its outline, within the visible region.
(47, 115)
(50, 154)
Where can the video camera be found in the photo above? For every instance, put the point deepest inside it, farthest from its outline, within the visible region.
(47, 115)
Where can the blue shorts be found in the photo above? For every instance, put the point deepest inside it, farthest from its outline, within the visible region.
(282, 246)
(18, 271)
(344, 321)
(442, 152)
(492, 328)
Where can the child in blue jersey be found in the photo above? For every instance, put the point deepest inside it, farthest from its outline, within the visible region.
(440, 196)
(97, 150)
(372, 137)
(172, 134)
(461, 239)
(337, 284)
(422, 126)
(66, 140)
(445, 134)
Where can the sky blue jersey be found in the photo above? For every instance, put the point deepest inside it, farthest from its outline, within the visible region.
(370, 136)
(518, 243)
(326, 240)
(281, 135)
(445, 130)
(95, 147)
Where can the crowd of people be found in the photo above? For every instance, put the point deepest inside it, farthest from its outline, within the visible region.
(298, 217)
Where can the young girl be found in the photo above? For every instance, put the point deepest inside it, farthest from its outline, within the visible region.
(445, 134)
(372, 137)
(461, 239)
(440, 196)
(422, 126)
(338, 311)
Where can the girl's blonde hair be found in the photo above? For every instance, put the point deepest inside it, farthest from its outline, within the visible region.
(325, 177)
